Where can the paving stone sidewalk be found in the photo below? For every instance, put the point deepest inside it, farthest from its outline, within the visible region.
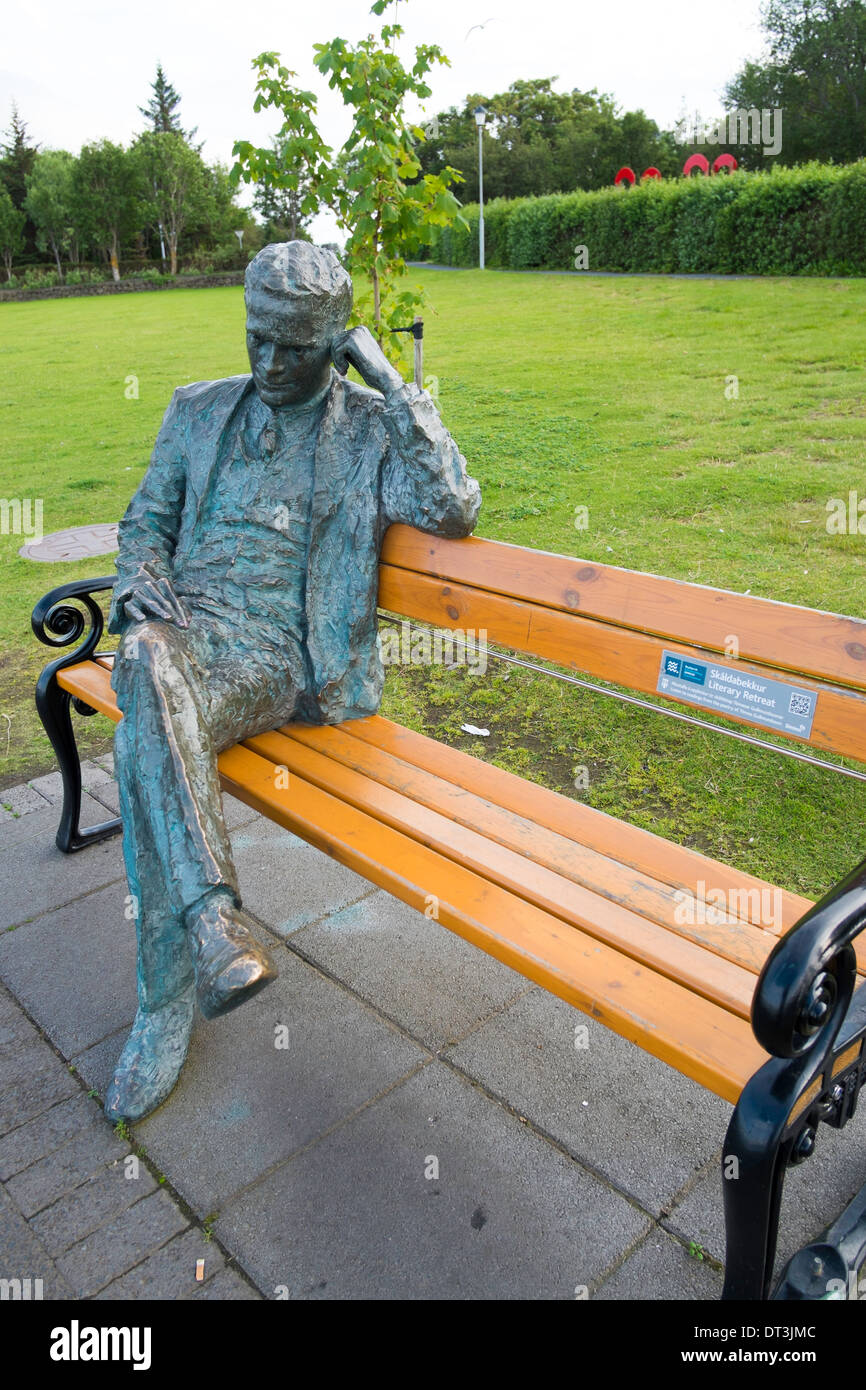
(397, 1116)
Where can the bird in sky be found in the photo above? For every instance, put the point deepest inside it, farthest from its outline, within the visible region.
(480, 26)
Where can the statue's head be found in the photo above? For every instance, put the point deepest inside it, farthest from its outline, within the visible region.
(298, 297)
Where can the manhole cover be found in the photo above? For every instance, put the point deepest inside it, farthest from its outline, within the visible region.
(78, 543)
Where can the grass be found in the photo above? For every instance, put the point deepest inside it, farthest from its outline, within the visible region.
(563, 392)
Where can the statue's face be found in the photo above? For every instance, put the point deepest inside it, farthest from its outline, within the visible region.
(289, 349)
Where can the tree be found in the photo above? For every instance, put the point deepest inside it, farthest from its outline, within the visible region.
(540, 141)
(12, 221)
(221, 219)
(105, 206)
(282, 207)
(816, 74)
(173, 180)
(49, 201)
(16, 161)
(375, 185)
(161, 111)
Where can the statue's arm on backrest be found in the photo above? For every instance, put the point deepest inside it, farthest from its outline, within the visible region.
(149, 529)
(425, 483)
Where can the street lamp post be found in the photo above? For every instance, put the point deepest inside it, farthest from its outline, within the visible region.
(480, 118)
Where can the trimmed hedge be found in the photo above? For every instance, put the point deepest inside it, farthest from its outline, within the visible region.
(130, 286)
(810, 220)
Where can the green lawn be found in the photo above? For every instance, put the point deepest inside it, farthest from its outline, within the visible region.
(563, 392)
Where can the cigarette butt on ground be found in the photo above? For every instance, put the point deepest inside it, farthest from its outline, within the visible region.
(199, 1271)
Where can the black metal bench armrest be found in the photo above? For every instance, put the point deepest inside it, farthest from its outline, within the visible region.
(807, 983)
(58, 624)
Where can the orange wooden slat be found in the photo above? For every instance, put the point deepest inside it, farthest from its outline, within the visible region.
(615, 654)
(90, 681)
(650, 854)
(828, 646)
(700, 970)
(727, 935)
(691, 1034)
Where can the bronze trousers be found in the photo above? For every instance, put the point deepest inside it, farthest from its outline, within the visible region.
(186, 694)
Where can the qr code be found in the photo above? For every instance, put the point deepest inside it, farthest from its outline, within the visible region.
(800, 704)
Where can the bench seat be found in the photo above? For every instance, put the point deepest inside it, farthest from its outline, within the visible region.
(571, 897)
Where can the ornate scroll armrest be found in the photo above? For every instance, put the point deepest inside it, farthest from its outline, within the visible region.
(57, 624)
(806, 986)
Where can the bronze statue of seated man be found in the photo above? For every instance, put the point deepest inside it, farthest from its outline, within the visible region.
(246, 598)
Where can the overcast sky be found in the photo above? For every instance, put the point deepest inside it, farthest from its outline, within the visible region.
(79, 72)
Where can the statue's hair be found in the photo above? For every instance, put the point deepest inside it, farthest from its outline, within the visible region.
(298, 270)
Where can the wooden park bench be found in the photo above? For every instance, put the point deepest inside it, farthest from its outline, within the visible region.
(604, 915)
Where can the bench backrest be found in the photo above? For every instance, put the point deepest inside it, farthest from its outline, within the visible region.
(796, 672)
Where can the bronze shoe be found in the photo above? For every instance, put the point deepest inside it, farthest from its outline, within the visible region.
(230, 965)
(151, 1061)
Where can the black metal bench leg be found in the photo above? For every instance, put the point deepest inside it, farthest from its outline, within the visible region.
(54, 705)
(753, 1175)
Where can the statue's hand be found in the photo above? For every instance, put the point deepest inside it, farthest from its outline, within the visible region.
(155, 598)
(356, 347)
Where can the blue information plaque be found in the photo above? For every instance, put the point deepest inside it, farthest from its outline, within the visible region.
(789, 709)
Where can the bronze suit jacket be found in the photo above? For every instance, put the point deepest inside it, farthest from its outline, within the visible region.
(376, 462)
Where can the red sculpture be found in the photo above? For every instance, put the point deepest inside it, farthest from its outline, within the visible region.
(722, 162)
(696, 161)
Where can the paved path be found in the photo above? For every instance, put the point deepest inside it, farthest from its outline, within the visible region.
(398, 1116)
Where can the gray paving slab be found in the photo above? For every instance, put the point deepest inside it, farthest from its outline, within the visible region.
(619, 1110)
(100, 1198)
(22, 800)
(38, 877)
(243, 1103)
(235, 812)
(41, 1136)
(661, 1269)
(169, 1272)
(64, 1170)
(94, 776)
(432, 982)
(74, 968)
(108, 796)
(21, 1057)
(355, 1216)
(286, 882)
(72, 1192)
(15, 1026)
(40, 827)
(815, 1193)
(114, 1249)
(32, 1079)
(50, 786)
(22, 1256)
